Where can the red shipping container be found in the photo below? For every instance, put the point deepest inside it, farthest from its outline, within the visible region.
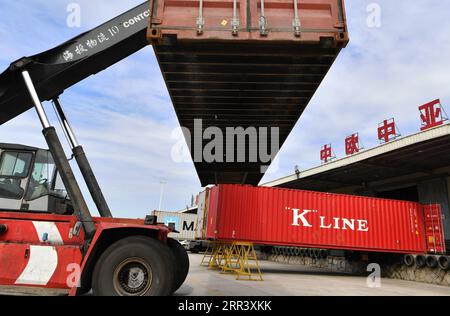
(277, 216)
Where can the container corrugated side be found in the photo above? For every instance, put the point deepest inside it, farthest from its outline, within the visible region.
(314, 219)
(185, 223)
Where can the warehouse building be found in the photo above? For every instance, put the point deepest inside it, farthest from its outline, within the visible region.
(414, 168)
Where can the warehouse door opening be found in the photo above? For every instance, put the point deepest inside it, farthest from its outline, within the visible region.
(410, 193)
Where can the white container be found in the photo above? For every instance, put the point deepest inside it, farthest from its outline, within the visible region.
(186, 224)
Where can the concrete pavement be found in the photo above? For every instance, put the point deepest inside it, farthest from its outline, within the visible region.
(283, 279)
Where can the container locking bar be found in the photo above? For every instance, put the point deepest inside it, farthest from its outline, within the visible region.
(61, 161)
(235, 20)
(200, 19)
(263, 21)
(83, 164)
(296, 21)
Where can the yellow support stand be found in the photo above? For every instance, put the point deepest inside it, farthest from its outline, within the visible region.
(214, 255)
(207, 256)
(237, 258)
(248, 270)
(232, 262)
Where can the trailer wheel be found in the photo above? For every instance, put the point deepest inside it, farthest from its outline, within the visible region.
(431, 262)
(408, 260)
(134, 266)
(444, 262)
(181, 263)
(420, 261)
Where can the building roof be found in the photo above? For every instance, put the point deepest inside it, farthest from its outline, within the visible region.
(189, 210)
(420, 154)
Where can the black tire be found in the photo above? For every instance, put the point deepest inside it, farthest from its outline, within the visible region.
(408, 260)
(431, 261)
(420, 261)
(196, 249)
(150, 259)
(444, 262)
(181, 263)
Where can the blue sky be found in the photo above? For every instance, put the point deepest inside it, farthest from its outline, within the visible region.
(124, 118)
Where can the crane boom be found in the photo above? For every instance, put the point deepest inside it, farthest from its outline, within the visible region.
(59, 68)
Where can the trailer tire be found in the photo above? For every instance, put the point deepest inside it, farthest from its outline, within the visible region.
(181, 263)
(151, 260)
(431, 261)
(408, 260)
(444, 262)
(420, 261)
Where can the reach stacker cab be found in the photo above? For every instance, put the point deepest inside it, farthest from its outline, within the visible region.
(44, 244)
(30, 181)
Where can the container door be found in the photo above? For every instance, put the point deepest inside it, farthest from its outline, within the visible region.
(202, 213)
(275, 19)
(435, 239)
(192, 19)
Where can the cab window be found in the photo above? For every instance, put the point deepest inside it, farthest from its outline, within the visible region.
(41, 176)
(14, 166)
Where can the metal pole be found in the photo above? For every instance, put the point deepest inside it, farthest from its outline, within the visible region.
(37, 103)
(234, 20)
(65, 124)
(263, 21)
(296, 22)
(161, 195)
(83, 164)
(61, 162)
(200, 19)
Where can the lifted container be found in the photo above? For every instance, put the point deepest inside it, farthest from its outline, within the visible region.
(244, 64)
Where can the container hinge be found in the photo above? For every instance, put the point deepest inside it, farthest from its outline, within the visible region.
(200, 19)
(263, 26)
(296, 21)
(234, 20)
(263, 21)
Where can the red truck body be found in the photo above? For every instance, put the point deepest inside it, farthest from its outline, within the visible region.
(47, 250)
(275, 216)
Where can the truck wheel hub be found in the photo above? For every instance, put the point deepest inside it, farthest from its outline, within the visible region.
(132, 277)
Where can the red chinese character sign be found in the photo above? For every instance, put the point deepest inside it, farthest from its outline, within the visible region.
(431, 115)
(352, 144)
(326, 154)
(387, 131)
